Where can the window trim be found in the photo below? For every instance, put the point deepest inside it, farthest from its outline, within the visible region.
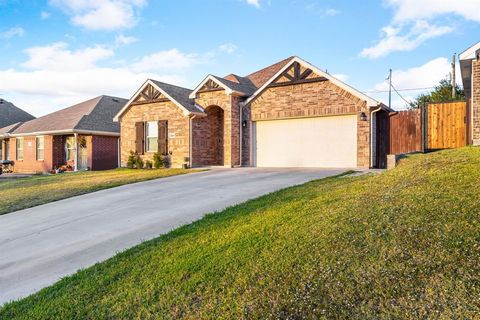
(19, 141)
(147, 141)
(37, 148)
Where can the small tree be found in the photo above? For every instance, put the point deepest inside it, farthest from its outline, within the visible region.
(441, 93)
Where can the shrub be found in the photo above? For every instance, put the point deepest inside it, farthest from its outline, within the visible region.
(159, 161)
(148, 164)
(139, 162)
(132, 159)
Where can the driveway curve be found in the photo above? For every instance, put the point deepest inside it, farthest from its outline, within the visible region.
(40, 245)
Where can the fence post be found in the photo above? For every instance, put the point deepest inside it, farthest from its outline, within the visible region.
(424, 126)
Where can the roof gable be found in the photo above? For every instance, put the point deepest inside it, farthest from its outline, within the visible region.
(260, 77)
(314, 72)
(156, 91)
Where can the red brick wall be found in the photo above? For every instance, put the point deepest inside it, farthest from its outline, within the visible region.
(207, 132)
(30, 164)
(104, 153)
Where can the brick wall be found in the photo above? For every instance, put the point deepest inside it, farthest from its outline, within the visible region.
(246, 136)
(312, 100)
(207, 148)
(476, 102)
(231, 132)
(104, 154)
(178, 124)
(30, 164)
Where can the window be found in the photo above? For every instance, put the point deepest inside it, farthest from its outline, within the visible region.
(40, 142)
(152, 136)
(19, 148)
(70, 148)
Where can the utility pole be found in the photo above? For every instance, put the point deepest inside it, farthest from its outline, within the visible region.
(454, 84)
(390, 90)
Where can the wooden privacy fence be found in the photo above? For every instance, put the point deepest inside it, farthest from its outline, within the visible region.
(446, 125)
(405, 132)
(434, 126)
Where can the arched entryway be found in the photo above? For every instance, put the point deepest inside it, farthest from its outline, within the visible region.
(214, 154)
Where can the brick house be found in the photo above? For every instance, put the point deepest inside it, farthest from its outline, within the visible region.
(290, 114)
(82, 136)
(470, 68)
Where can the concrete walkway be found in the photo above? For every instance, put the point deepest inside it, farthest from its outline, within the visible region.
(40, 245)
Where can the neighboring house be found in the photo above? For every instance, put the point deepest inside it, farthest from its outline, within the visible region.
(10, 114)
(83, 136)
(290, 114)
(470, 67)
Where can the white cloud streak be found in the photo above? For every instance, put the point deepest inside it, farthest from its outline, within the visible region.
(12, 32)
(101, 14)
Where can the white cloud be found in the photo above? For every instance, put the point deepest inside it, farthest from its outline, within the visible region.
(101, 14)
(416, 21)
(331, 12)
(393, 40)
(321, 11)
(44, 15)
(227, 48)
(425, 76)
(57, 56)
(171, 60)
(255, 3)
(408, 10)
(55, 76)
(12, 32)
(122, 40)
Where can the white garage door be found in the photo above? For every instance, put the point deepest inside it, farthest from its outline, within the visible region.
(310, 142)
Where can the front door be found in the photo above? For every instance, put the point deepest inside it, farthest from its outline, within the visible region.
(82, 154)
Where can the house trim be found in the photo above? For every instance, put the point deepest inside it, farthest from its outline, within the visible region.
(228, 90)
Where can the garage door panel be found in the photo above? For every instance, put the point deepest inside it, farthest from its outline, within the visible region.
(311, 142)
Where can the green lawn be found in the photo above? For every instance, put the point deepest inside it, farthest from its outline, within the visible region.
(403, 244)
(17, 194)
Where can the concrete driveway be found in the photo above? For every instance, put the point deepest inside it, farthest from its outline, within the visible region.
(40, 245)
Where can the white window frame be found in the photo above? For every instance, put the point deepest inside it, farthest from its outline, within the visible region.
(37, 139)
(148, 137)
(19, 142)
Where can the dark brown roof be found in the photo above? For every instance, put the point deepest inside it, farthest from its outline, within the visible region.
(10, 114)
(92, 115)
(179, 94)
(259, 78)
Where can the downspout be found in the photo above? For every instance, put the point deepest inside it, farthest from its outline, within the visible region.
(241, 131)
(190, 147)
(75, 159)
(371, 135)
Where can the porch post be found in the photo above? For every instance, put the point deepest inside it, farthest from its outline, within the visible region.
(75, 159)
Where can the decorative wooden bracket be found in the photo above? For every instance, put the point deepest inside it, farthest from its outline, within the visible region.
(210, 85)
(296, 74)
(150, 95)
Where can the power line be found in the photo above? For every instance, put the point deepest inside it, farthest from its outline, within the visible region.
(407, 102)
(407, 89)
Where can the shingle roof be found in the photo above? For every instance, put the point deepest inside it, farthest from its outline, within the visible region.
(260, 77)
(92, 115)
(10, 114)
(179, 94)
(244, 85)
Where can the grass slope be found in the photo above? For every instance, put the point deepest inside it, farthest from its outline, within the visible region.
(28, 192)
(404, 244)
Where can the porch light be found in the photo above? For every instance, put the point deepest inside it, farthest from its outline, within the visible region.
(244, 123)
(363, 116)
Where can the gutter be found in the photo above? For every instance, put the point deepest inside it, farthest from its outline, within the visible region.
(66, 131)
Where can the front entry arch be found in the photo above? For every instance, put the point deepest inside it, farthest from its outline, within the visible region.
(209, 141)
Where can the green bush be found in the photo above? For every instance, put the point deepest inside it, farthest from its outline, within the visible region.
(159, 161)
(148, 164)
(132, 160)
(139, 163)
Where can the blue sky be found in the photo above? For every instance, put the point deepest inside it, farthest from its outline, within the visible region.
(59, 52)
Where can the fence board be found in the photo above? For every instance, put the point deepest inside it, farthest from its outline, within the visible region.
(447, 127)
(405, 132)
